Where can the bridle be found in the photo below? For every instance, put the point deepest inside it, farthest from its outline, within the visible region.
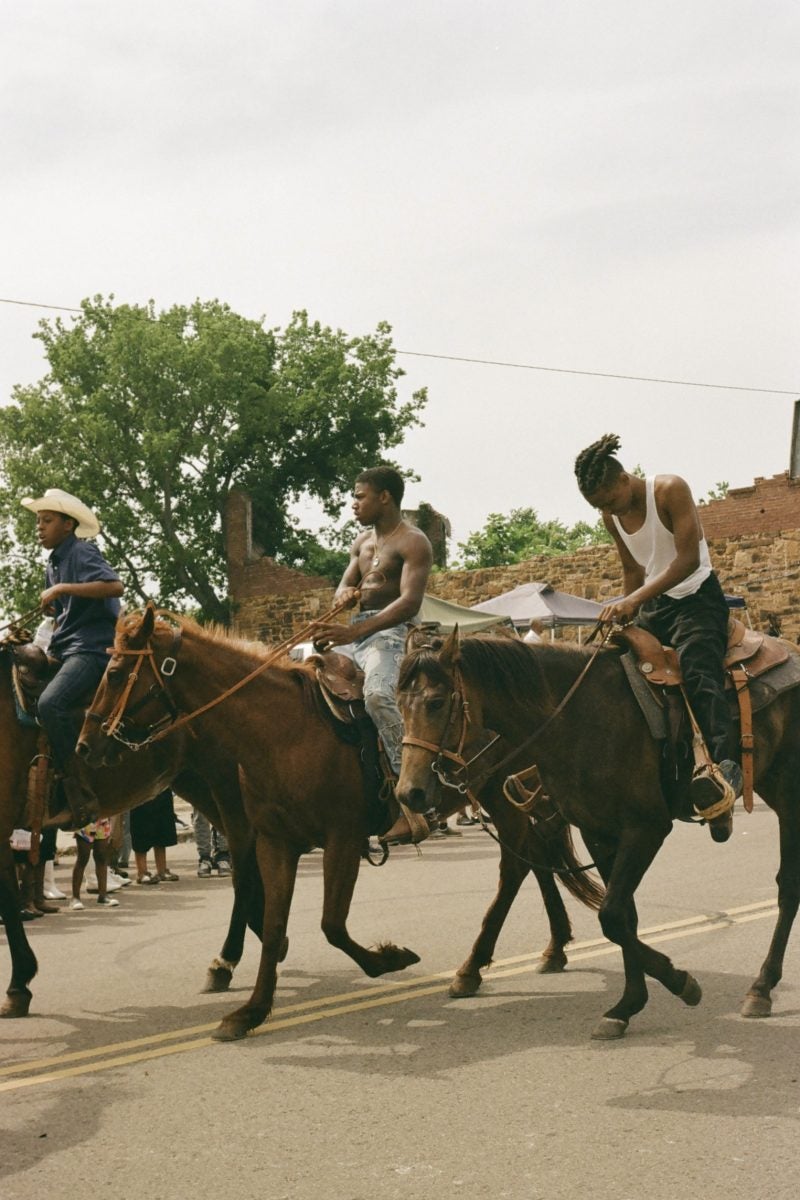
(118, 719)
(466, 786)
(458, 700)
(117, 724)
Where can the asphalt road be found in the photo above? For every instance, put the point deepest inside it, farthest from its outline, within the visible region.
(386, 1088)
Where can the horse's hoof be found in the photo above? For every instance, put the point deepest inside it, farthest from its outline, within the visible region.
(610, 1029)
(402, 958)
(551, 964)
(692, 993)
(16, 1005)
(218, 979)
(756, 1006)
(229, 1031)
(464, 986)
(284, 950)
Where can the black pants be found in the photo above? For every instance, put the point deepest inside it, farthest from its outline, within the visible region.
(697, 627)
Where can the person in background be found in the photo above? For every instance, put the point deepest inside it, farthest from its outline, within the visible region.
(153, 828)
(212, 848)
(92, 841)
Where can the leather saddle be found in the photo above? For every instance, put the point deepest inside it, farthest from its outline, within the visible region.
(341, 684)
(659, 664)
(748, 655)
(31, 672)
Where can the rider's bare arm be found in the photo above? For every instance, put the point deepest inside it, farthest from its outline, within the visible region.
(352, 573)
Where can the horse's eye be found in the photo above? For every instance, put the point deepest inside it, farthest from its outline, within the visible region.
(436, 704)
(114, 674)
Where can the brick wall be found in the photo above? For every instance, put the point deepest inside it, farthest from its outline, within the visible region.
(766, 506)
(764, 568)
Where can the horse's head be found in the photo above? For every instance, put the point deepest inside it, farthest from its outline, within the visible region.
(132, 686)
(435, 720)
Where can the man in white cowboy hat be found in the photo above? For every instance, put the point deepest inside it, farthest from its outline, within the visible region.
(82, 593)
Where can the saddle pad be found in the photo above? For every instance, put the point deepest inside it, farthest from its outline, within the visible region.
(775, 681)
(652, 709)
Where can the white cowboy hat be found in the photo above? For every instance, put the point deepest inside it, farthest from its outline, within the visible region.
(54, 500)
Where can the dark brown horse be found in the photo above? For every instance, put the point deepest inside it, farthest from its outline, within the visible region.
(207, 779)
(601, 767)
(302, 785)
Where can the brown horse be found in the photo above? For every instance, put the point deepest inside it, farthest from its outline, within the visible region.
(600, 766)
(302, 784)
(206, 778)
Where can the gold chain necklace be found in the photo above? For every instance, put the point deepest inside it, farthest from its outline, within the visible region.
(378, 546)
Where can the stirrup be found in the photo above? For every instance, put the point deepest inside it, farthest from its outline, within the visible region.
(710, 778)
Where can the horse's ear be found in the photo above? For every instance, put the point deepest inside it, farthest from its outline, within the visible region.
(450, 652)
(148, 623)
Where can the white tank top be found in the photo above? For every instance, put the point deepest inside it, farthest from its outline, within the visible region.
(653, 547)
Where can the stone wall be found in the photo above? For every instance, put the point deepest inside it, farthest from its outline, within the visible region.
(764, 568)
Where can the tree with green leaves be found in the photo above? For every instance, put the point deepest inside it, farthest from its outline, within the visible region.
(520, 535)
(151, 417)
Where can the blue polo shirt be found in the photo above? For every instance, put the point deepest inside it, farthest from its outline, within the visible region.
(82, 625)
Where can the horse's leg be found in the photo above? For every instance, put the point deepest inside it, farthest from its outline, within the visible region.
(340, 865)
(23, 960)
(277, 865)
(635, 851)
(518, 850)
(468, 978)
(758, 1001)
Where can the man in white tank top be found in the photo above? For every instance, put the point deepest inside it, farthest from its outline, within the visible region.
(671, 589)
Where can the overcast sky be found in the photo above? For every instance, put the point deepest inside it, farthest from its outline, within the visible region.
(600, 186)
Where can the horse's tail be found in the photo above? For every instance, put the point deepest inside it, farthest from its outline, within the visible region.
(575, 878)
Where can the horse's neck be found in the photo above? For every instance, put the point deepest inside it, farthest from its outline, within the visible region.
(209, 669)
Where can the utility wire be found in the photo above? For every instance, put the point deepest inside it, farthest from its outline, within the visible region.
(491, 362)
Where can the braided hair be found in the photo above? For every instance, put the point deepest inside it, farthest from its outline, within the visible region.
(596, 466)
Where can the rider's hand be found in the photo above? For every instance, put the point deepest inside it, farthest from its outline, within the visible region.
(48, 596)
(325, 637)
(348, 596)
(621, 612)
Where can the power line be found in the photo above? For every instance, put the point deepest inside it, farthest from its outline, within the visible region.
(491, 362)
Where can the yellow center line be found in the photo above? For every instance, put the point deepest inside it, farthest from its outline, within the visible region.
(292, 1016)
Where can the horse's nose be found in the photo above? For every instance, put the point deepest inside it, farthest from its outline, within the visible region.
(82, 750)
(415, 799)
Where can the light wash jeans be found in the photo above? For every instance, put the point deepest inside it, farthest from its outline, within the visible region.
(379, 657)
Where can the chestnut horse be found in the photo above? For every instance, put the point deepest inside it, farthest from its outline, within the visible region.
(198, 773)
(302, 784)
(600, 766)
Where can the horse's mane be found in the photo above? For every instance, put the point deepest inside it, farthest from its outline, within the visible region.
(503, 666)
(129, 625)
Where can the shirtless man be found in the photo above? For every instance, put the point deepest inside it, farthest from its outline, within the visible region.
(390, 563)
(672, 591)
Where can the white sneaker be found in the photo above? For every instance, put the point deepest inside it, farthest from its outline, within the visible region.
(116, 881)
(113, 885)
(108, 901)
(75, 905)
(52, 893)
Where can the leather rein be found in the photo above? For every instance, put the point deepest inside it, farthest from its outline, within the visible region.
(117, 724)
